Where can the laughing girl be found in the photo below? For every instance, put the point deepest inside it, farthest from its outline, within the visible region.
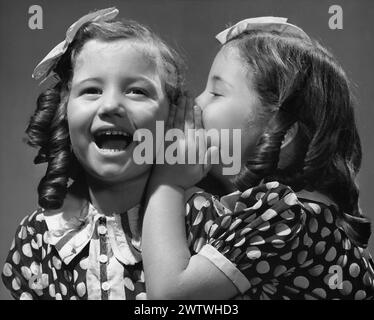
(83, 242)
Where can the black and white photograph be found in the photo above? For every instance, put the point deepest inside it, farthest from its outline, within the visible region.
(187, 150)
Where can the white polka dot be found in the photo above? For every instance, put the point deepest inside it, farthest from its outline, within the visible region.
(320, 292)
(256, 240)
(22, 233)
(84, 263)
(272, 196)
(279, 270)
(320, 247)
(226, 221)
(315, 207)
(39, 239)
(240, 242)
(347, 244)
(46, 237)
(301, 282)
(331, 254)
(43, 253)
(360, 295)
(54, 274)
(235, 224)
(213, 229)
(262, 267)
(328, 216)
(188, 208)
(253, 253)
(63, 289)
(141, 296)
(75, 275)
(260, 195)
(13, 244)
(26, 249)
(347, 288)
(325, 232)
(286, 256)
(268, 214)
(207, 226)
(56, 263)
(81, 289)
(342, 261)
(230, 237)
(34, 244)
(35, 268)
(198, 218)
(30, 230)
(39, 217)
(290, 199)
(316, 270)
(199, 202)
(354, 270)
(7, 270)
(264, 227)
(272, 185)
(257, 205)
(245, 231)
(16, 283)
(301, 257)
(16, 257)
(73, 298)
(58, 296)
(26, 272)
(52, 290)
(129, 284)
(313, 225)
(246, 193)
(282, 229)
(25, 296)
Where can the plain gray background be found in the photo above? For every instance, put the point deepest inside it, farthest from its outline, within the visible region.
(188, 25)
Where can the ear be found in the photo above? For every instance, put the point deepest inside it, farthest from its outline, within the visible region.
(290, 135)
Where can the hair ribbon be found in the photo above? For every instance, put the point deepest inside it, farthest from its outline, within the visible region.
(44, 70)
(260, 23)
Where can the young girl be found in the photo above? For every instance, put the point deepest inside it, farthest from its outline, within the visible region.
(110, 78)
(293, 228)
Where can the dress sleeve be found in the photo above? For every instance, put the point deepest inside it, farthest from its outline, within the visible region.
(247, 243)
(22, 272)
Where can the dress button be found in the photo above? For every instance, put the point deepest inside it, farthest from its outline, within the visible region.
(105, 286)
(103, 258)
(102, 229)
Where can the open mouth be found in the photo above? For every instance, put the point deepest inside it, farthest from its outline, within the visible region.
(112, 140)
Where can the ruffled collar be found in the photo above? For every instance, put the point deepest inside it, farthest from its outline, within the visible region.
(72, 227)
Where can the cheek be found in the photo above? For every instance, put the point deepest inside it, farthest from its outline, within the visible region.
(146, 116)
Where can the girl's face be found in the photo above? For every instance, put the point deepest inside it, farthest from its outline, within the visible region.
(115, 90)
(230, 101)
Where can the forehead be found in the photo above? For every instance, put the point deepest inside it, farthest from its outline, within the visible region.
(124, 56)
(230, 66)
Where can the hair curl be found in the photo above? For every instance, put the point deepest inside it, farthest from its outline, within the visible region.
(48, 127)
(309, 87)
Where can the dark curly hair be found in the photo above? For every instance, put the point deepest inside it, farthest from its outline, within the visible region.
(307, 85)
(48, 127)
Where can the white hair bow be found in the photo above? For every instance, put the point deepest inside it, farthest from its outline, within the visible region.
(44, 70)
(260, 23)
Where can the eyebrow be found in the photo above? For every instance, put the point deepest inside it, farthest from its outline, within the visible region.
(129, 79)
(220, 79)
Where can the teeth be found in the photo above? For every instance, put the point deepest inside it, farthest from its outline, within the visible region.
(114, 132)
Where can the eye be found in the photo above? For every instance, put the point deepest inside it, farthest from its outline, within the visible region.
(215, 94)
(91, 91)
(137, 92)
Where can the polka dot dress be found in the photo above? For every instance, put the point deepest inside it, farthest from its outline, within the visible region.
(285, 247)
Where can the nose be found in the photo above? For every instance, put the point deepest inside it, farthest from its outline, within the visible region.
(199, 100)
(112, 104)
